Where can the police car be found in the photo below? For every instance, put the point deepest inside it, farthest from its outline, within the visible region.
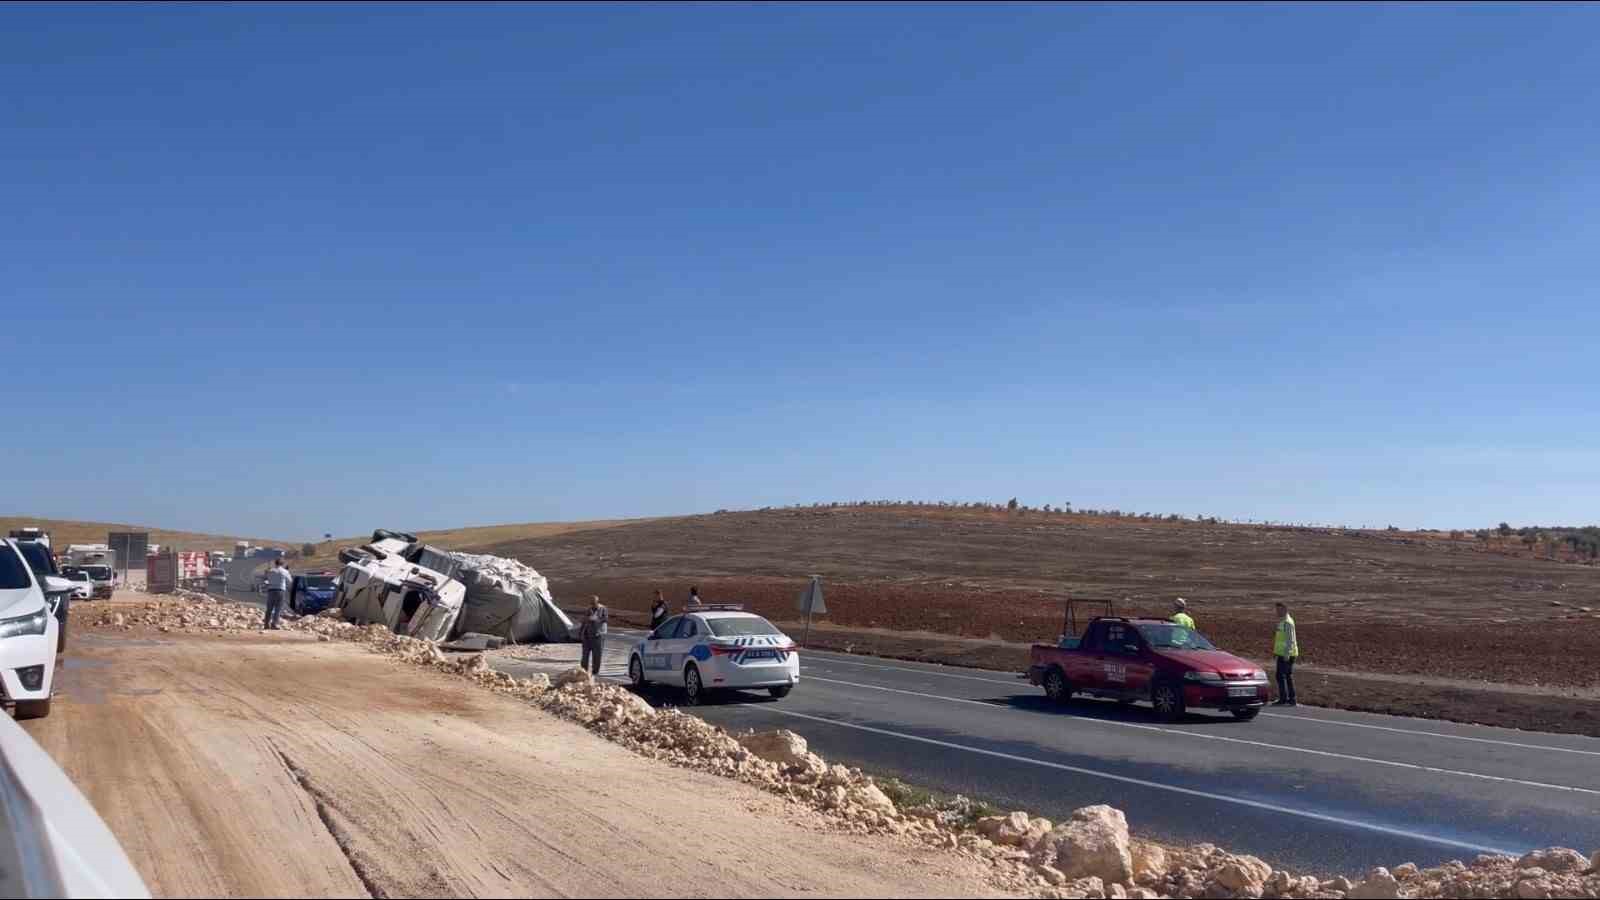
(713, 647)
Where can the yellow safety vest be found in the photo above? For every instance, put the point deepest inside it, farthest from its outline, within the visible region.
(1183, 619)
(1284, 641)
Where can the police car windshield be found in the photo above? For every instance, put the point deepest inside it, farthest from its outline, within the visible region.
(740, 626)
(1174, 637)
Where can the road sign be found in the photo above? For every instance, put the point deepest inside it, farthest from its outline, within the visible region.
(811, 602)
(811, 598)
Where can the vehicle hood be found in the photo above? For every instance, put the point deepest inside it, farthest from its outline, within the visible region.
(1209, 661)
(19, 602)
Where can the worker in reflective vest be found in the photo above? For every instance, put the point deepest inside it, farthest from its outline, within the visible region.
(1286, 647)
(1180, 614)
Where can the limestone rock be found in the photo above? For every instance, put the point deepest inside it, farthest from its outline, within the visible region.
(573, 676)
(1092, 843)
(1379, 884)
(782, 746)
(1554, 859)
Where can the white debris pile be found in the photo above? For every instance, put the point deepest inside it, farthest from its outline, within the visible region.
(1090, 854)
(511, 574)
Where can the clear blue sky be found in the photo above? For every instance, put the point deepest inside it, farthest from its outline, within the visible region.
(295, 269)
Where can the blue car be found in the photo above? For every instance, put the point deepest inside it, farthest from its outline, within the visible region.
(312, 593)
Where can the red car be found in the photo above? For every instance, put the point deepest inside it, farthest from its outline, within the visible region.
(1173, 667)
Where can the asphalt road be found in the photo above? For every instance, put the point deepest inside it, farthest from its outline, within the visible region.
(1316, 789)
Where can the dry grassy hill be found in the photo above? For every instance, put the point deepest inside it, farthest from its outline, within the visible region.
(67, 531)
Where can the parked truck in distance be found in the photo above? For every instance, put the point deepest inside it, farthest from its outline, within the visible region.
(1172, 667)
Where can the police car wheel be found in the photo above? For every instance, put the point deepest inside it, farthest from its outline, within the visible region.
(692, 688)
(636, 672)
(781, 691)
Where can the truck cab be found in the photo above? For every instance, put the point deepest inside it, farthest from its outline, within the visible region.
(1172, 667)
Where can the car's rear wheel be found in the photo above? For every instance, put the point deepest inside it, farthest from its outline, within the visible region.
(1056, 686)
(33, 709)
(636, 672)
(1245, 715)
(1168, 701)
(781, 691)
(693, 690)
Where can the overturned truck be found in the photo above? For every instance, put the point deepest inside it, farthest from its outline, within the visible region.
(425, 592)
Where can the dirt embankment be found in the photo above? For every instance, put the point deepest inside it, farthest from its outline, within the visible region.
(275, 765)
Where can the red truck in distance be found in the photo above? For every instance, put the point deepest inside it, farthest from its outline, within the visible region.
(1128, 659)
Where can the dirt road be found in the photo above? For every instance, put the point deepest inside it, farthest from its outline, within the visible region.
(274, 765)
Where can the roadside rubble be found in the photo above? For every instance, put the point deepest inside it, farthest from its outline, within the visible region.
(1090, 854)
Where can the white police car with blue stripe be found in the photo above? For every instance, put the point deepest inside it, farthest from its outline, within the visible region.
(716, 647)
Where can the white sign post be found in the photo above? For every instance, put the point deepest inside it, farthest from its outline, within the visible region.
(811, 602)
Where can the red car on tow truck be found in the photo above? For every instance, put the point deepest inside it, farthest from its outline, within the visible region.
(1131, 659)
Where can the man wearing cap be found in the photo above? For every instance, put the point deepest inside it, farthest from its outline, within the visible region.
(1180, 614)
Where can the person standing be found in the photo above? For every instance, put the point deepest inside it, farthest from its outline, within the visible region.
(278, 582)
(658, 611)
(1180, 614)
(594, 636)
(1286, 647)
(694, 598)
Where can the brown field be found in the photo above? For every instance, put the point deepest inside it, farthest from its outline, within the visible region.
(1448, 615)
(65, 531)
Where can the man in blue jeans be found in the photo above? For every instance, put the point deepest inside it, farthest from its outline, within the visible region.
(278, 582)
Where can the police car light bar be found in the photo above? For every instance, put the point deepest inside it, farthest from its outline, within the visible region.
(716, 607)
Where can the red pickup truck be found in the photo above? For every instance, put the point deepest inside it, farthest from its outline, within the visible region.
(1127, 659)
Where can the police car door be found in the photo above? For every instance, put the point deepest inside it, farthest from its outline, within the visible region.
(657, 655)
(678, 649)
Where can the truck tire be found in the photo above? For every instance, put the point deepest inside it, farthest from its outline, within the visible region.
(1056, 686)
(33, 709)
(1167, 698)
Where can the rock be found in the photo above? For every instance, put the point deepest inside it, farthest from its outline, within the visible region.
(1149, 862)
(1341, 884)
(1554, 859)
(1052, 875)
(782, 746)
(1533, 887)
(1092, 843)
(1244, 876)
(1116, 892)
(1378, 885)
(1140, 893)
(1405, 871)
(118, 620)
(573, 676)
(872, 798)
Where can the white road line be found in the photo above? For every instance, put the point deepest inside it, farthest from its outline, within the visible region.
(1207, 795)
(850, 662)
(1435, 734)
(1216, 737)
(1412, 731)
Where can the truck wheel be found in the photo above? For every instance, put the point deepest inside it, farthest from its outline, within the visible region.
(692, 688)
(1056, 687)
(1245, 715)
(1168, 701)
(33, 709)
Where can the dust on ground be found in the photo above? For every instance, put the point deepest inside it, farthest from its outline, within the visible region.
(218, 759)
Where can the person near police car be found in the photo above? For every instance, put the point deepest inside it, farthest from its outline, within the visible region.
(658, 611)
(593, 634)
(1286, 649)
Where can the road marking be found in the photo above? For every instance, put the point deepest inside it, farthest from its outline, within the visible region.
(1125, 779)
(1412, 731)
(851, 662)
(1435, 734)
(1216, 737)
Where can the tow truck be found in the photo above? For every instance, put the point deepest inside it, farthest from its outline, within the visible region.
(1132, 659)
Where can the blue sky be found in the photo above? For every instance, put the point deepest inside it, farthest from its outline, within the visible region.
(287, 270)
